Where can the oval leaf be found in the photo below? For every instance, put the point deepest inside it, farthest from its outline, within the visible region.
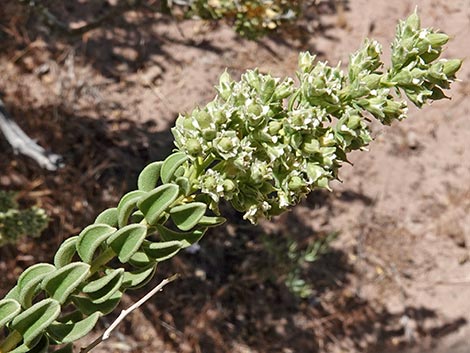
(62, 282)
(138, 278)
(70, 332)
(91, 238)
(8, 310)
(126, 241)
(33, 321)
(188, 215)
(161, 251)
(187, 238)
(109, 217)
(102, 289)
(157, 201)
(207, 221)
(28, 282)
(127, 205)
(14, 293)
(87, 307)
(141, 259)
(64, 254)
(38, 345)
(148, 177)
(171, 164)
(184, 184)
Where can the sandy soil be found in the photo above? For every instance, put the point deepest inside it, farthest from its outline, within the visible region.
(398, 276)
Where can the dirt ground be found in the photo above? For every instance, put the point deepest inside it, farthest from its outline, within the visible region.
(397, 276)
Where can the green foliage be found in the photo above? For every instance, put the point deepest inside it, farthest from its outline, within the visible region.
(15, 223)
(289, 263)
(250, 18)
(262, 144)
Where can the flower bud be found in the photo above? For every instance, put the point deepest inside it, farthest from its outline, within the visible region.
(437, 40)
(203, 119)
(306, 61)
(193, 147)
(413, 21)
(451, 67)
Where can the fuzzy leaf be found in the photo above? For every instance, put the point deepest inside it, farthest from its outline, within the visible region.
(91, 238)
(70, 332)
(14, 293)
(149, 176)
(127, 205)
(171, 164)
(28, 282)
(87, 307)
(188, 215)
(207, 221)
(33, 321)
(38, 345)
(138, 278)
(161, 251)
(8, 310)
(65, 253)
(141, 259)
(157, 201)
(109, 217)
(187, 238)
(62, 282)
(126, 241)
(102, 289)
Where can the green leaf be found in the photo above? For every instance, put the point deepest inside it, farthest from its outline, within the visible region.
(184, 184)
(14, 293)
(161, 251)
(207, 221)
(138, 278)
(157, 201)
(141, 259)
(63, 282)
(64, 254)
(33, 321)
(87, 307)
(109, 217)
(187, 238)
(127, 205)
(91, 238)
(8, 310)
(103, 288)
(70, 332)
(171, 164)
(149, 176)
(38, 345)
(126, 241)
(29, 281)
(188, 215)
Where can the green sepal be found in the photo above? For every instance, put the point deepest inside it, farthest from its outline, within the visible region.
(138, 278)
(161, 251)
(188, 215)
(63, 282)
(157, 201)
(171, 164)
(29, 282)
(33, 321)
(187, 238)
(126, 241)
(70, 332)
(148, 177)
(102, 289)
(8, 310)
(91, 238)
(87, 307)
(109, 217)
(66, 251)
(127, 205)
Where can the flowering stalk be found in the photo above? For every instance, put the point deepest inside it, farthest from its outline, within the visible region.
(262, 144)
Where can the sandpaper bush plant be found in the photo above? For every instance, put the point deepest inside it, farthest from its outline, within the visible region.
(262, 144)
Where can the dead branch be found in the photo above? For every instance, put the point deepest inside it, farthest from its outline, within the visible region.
(23, 144)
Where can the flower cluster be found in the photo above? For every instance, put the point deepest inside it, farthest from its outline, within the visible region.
(263, 143)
